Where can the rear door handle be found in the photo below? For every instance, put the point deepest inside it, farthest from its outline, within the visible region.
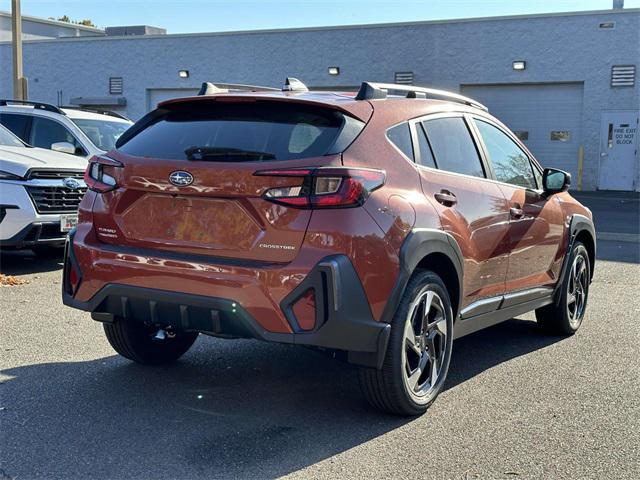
(446, 198)
(516, 212)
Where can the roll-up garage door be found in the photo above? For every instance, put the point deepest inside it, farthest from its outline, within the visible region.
(157, 95)
(547, 117)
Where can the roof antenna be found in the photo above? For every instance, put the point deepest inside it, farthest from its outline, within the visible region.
(294, 85)
(209, 88)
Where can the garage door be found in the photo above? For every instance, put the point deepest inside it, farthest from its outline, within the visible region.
(157, 95)
(547, 117)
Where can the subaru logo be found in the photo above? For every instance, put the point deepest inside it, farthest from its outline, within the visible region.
(71, 183)
(180, 178)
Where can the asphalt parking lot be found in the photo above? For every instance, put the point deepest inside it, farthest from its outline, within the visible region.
(518, 403)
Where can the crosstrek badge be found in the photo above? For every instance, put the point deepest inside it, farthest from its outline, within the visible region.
(277, 247)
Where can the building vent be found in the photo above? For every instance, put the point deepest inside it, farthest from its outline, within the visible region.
(403, 78)
(623, 75)
(115, 85)
(607, 25)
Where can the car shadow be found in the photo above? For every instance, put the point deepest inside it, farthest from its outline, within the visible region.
(25, 262)
(228, 409)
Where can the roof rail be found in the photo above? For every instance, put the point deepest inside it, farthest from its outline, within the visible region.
(37, 105)
(96, 110)
(373, 91)
(209, 88)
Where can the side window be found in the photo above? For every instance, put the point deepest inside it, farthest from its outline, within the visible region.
(400, 136)
(16, 123)
(45, 132)
(426, 156)
(453, 147)
(510, 163)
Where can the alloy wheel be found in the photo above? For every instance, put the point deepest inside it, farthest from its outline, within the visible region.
(577, 290)
(424, 343)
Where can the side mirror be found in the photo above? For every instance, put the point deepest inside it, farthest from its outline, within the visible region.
(63, 147)
(554, 181)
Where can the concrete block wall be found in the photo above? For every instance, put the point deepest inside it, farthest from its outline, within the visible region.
(443, 54)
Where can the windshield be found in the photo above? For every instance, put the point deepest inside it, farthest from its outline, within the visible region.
(103, 134)
(8, 139)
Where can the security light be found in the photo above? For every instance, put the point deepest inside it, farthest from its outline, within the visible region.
(183, 73)
(334, 70)
(519, 65)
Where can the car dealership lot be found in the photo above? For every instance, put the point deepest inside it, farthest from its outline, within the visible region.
(518, 404)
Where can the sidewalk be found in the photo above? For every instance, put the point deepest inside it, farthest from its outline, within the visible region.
(616, 214)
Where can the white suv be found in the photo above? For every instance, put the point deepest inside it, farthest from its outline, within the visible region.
(40, 191)
(81, 132)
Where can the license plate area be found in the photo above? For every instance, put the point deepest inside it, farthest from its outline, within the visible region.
(67, 222)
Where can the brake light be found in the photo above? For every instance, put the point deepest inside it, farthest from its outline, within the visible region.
(325, 187)
(100, 174)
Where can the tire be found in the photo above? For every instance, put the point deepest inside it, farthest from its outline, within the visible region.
(402, 387)
(134, 340)
(565, 317)
(48, 250)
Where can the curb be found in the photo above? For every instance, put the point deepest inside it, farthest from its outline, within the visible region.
(619, 237)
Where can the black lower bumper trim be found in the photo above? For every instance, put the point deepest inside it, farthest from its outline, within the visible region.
(37, 234)
(347, 326)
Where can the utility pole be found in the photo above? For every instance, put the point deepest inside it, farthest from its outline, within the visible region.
(19, 82)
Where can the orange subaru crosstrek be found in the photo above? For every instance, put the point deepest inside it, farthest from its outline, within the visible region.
(378, 227)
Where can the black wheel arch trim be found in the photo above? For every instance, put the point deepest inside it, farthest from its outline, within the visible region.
(578, 224)
(417, 245)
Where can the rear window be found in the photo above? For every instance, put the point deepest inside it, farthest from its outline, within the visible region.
(241, 131)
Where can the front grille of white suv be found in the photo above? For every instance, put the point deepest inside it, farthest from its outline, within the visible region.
(55, 199)
(53, 174)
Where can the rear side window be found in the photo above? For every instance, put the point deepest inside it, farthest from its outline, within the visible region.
(452, 146)
(240, 131)
(510, 163)
(16, 123)
(426, 156)
(400, 136)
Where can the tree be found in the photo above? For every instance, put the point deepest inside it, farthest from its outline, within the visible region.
(85, 22)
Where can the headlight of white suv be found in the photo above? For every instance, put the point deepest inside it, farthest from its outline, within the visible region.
(9, 176)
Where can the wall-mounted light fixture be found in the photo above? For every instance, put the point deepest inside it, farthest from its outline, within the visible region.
(183, 73)
(334, 70)
(519, 65)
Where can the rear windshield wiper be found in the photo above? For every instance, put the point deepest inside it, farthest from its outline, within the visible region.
(219, 153)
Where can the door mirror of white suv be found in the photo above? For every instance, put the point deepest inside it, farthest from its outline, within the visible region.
(64, 147)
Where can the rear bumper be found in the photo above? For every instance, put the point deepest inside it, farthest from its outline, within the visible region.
(343, 317)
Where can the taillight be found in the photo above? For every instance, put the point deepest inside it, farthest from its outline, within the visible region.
(100, 174)
(324, 187)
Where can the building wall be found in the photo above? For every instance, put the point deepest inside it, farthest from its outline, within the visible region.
(557, 48)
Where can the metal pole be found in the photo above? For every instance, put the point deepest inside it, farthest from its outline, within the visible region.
(16, 24)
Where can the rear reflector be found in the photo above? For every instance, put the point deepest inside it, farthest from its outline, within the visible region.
(305, 310)
(325, 187)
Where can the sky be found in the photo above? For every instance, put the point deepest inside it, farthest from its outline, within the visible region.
(189, 16)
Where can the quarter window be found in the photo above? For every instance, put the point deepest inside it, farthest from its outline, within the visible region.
(452, 146)
(400, 136)
(510, 163)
